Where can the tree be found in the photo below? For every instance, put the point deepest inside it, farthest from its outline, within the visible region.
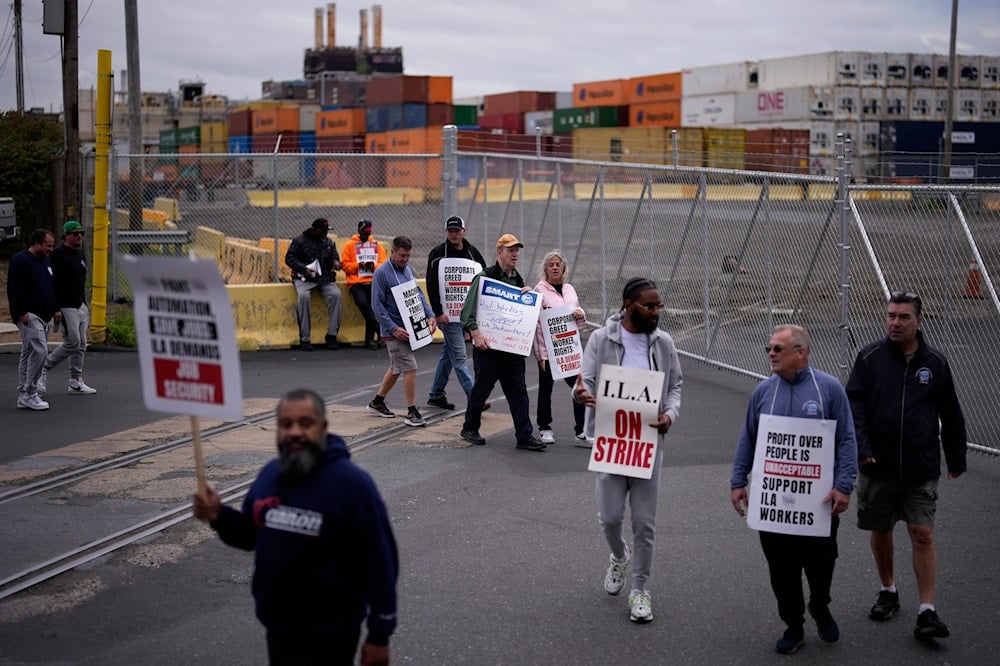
(29, 146)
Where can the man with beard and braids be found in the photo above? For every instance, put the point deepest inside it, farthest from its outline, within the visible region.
(325, 553)
(632, 338)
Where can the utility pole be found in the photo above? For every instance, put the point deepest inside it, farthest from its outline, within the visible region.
(19, 56)
(136, 177)
(950, 111)
(71, 103)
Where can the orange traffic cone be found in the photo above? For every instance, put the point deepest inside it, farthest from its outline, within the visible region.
(973, 282)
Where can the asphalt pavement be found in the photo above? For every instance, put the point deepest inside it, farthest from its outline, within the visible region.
(502, 560)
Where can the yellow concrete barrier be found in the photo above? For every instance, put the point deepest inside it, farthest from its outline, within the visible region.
(733, 192)
(822, 192)
(169, 206)
(350, 197)
(208, 243)
(787, 192)
(245, 263)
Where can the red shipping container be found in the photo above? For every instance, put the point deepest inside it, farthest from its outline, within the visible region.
(508, 122)
(777, 150)
(239, 123)
(518, 102)
(440, 114)
(396, 90)
(341, 143)
(266, 143)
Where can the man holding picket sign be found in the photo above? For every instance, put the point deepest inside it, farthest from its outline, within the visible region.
(631, 383)
(793, 474)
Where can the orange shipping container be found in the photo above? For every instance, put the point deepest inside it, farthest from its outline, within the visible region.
(423, 140)
(413, 173)
(439, 90)
(288, 118)
(188, 150)
(655, 114)
(655, 88)
(341, 121)
(263, 121)
(601, 93)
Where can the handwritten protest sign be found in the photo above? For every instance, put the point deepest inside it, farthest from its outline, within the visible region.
(454, 279)
(562, 341)
(410, 302)
(367, 255)
(506, 317)
(792, 473)
(627, 402)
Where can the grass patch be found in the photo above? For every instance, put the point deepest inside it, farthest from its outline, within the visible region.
(121, 327)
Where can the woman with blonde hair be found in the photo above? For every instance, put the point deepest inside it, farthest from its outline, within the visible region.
(555, 292)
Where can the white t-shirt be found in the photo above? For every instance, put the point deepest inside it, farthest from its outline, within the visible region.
(636, 349)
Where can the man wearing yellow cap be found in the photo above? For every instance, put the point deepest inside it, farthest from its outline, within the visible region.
(493, 365)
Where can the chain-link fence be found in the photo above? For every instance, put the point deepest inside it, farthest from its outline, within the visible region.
(734, 252)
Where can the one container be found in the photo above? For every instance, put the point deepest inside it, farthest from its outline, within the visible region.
(921, 104)
(868, 138)
(307, 117)
(941, 65)
(786, 104)
(240, 145)
(708, 110)
(655, 88)
(420, 173)
(970, 68)
(967, 105)
(897, 104)
(613, 92)
(394, 90)
(714, 79)
(341, 143)
(466, 114)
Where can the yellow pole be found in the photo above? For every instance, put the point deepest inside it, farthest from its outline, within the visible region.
(102, 129)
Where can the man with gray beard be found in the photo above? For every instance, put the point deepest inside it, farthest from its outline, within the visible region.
(325, 552)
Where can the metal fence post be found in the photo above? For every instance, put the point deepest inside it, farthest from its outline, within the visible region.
(449, 170)
(844, 243)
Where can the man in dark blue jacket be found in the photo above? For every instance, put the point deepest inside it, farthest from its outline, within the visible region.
(905, 408)
(325, 552)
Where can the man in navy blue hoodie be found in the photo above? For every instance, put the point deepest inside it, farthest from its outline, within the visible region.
(325, 553)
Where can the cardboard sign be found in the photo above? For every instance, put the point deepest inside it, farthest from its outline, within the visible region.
(187, 343)
(410, 302)
(628, 400)
(563, 345)
(792, 473)
(367, 253)
(506, 316)
(454, 279)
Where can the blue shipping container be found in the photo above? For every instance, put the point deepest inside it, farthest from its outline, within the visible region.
(240, 144)
(307, 142)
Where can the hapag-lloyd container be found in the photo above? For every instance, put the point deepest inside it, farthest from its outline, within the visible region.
(614, 92)
(654, 88)
(802, 103)
(833, 68)
(655, 114)
(714, 79)
(708, 110)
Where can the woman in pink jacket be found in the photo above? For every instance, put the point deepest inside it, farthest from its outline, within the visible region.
(555, 293)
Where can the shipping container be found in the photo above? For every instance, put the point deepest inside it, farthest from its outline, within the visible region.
(941, 67)
(708, 110)
(343, 93)
(872, 103)
(822, 139)
(822, 166)
(897, 70)
(508, 122)
(423, 140)
(285, 170)
(654, 88)
(645, 145)
(307, 117)
(872, 68)
(466, 114)
(846, 103)
(850, 132)
(777, 150)
(340, 143)
(866, 169)
(715, 79)
(564, 99)
(833, 68)
(868, 138)
(399, 116)
(967, 105)
(913, 150)
(189, 136)
(921, 70)
(280, 142)
(342, 121)
(238, 123)
(724, 148)
(969, 71)
(897, 103)
(989, 106)
(614, 92)
(519, 102)
(922, 104)
(239, 145)
(421, 173)
(215, 132)
(538, 122)
(307, 142)
(990, 76)
(787, 104)
(212, 147)
(168, 141)
(655, 114)
(394, 90)
(568, 119)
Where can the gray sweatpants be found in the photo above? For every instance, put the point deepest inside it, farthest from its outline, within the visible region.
(331, 294)
(76, 322)
(612, 491)
(34, 348)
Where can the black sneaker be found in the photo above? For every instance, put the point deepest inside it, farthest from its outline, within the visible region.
(305, 345)
(885, 606)
(441, 402)
(929, 625)
(371, 345)
(533, 444)
(331, 342)
(826, 626)
(790, 641)
(473, 437)
(380, 409)
(414, 419)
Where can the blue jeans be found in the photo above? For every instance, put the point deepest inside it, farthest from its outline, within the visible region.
(453, 355)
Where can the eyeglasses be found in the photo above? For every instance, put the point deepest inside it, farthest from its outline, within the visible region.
(652, 306)
(777, 349)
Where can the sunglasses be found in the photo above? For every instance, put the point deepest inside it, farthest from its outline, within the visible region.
(75, 233)
(652, 306)
(777, 349)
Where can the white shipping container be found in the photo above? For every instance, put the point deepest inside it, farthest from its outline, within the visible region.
(822, 166)
(713, 79)
(868, 138)
(822, 138)
(968, 105)
(871, 68)
(989, 106)
(307, 117)
(989, 77)
(475, 100)
(941, 104)
(833, 68)
(708, 110)
(921, 70)
(897, 103)
(897, 70)
(969, 71)
(803, 103)
(846, 103)
(872, 103)
(564, 99)
(851, 132)
(866, 169)
(921, 104)
(940, 71)
(538, 122)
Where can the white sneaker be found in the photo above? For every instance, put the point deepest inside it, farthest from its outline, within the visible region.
(77, 386)
(547, 436)
(34, 402)
(43, 381)
(640, 606)
(614, 579)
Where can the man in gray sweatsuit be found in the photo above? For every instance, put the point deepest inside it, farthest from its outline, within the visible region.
(632, 338)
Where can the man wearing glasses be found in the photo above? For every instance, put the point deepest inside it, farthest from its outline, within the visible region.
(905, 409)
(69, 276)
(795, 393)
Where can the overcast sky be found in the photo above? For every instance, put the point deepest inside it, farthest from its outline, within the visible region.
(487, 46)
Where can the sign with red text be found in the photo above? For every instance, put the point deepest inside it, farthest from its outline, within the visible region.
(792, 473)
(410, 302)
(628, 401)
(454, 279)
(507, 317)
(563, 345)
(187, 344)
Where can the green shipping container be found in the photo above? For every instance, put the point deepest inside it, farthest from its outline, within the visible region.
(168, 141)
(191, 171)
(466, 115)
(189, 136)
(565, 121)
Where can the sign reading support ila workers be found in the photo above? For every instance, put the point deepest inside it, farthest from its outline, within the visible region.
(627, 402)
(454, 279)
(187, 344)
(792, 473)
(410, 302)
(562, 341)
(506, 316)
